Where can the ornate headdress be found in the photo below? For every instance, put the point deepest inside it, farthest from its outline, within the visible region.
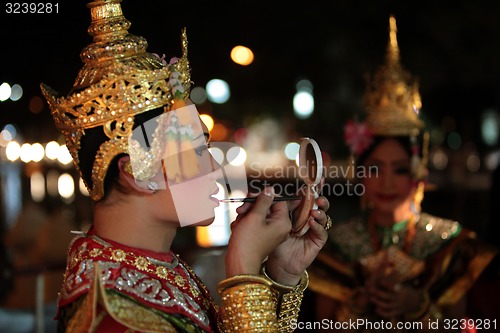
(392, 103)
(392, 99)
(118, 81)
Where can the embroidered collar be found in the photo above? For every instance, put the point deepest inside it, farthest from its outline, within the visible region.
(158, 280)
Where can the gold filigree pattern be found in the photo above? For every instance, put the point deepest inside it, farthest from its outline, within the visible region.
(134, 315)
(162, 272)
(117, 255)
(289, 300)
(142, 264)
(248, 306)
(392, 98)
(119, 80)
(164, 286)
(179, 280)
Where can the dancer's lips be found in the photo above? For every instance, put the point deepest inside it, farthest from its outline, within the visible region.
(212, 196)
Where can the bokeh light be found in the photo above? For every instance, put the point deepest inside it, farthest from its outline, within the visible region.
(63, 155)
(13, 151)
(35, 104)
(291, 150)
(303, 104)
(242, 55)
(218, 91)
(66, 186)
(52, 150)
(236, 156)
(37, 186)
(37, 152)
(16, 92)
(454, 140)
(208, 121)
(5, 91)
(217, 154)
(198, 95)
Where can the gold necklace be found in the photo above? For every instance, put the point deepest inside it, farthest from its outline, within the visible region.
(408, 241)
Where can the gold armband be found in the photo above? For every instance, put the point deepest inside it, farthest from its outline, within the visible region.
(248, 304)
(289, 302)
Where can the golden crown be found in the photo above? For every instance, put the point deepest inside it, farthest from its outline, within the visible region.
(392, 103)
(119, 80)
(392, 99)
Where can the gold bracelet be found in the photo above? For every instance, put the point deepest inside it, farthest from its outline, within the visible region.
(248, 305)
(300, 287)
(290, 300)
(289, 306)
(242, 279)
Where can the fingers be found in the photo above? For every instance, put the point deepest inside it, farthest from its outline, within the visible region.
(320, 215)
(321, 218)
(393, 301)
(323, 203)
(317, 232)
(243, 209)
(389, 282)
(386, 304)
(263, 203)
(256, 234)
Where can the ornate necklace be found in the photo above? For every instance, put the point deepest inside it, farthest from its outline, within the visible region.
(408, 241)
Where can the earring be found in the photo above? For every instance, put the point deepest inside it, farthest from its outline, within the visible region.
(419, 196)
(153, 186)
(128, 168)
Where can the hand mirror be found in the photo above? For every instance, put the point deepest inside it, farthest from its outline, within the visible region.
(310, 165)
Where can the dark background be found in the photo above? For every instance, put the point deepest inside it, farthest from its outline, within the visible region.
(452, 47)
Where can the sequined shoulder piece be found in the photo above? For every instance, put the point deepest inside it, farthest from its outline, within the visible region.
(432, 233)
(84, 317)
(351, 239)
(131, 314)
(134, 282)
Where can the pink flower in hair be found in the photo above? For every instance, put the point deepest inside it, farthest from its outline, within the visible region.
(162, 58)
(357, 136)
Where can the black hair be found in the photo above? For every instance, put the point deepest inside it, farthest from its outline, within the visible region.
(404, 141)
(93, 139)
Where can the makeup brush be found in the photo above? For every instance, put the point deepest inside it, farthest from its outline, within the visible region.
(255, 199)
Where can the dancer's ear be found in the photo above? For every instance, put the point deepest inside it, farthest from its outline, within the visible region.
(126, 173)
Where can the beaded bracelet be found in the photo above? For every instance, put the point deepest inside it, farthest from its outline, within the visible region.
(290, 300)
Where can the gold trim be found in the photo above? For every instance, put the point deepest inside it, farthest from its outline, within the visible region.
(84, 320)
(118, 81)
(462, 285)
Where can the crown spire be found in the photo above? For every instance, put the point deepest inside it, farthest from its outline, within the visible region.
(111, 44)
(392, 47)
